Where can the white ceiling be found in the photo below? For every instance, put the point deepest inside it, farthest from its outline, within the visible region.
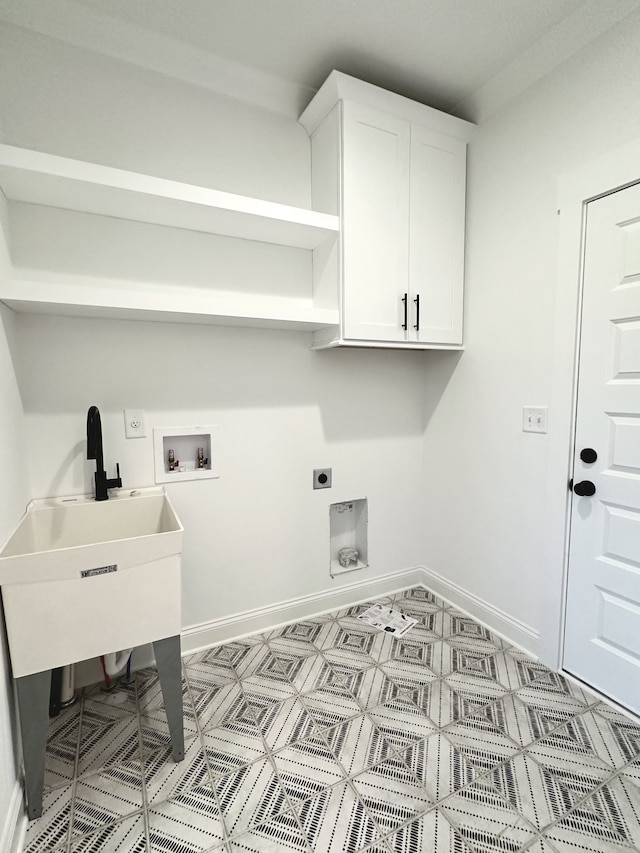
(440, 52)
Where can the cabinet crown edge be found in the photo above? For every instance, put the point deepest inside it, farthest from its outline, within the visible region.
(343, 87)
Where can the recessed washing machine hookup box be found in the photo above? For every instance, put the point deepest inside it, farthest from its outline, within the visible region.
(185, 453)
(348, 534)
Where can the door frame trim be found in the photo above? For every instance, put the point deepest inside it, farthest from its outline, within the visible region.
(611, 172)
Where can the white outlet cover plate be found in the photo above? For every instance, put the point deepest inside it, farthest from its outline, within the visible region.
(134, 423)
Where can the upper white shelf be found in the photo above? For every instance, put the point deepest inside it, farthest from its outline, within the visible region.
(46, 179)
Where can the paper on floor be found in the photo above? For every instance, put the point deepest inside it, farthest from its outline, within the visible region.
(389, 620)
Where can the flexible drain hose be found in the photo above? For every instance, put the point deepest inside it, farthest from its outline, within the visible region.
(116, 661)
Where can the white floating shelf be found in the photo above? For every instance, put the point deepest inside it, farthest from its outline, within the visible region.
(172, 305)
(53, 181)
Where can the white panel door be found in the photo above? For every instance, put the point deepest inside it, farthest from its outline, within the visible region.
(375, 223)
(436, 236)
(602, 631)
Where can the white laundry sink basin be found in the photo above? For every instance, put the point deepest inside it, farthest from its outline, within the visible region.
(81, 578)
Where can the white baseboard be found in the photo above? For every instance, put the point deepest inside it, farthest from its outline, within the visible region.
(225, 629)
(501, 623)
(228, 628)
(15, 824)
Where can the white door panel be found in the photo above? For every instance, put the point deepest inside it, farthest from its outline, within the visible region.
(602, 631)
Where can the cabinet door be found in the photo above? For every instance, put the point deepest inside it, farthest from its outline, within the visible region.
(375, 223)
(436, 236)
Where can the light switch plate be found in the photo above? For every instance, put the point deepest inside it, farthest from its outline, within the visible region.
(534, 419)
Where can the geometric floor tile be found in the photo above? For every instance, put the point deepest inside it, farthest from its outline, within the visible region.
(307, 763)
(286, 723)
(606, 820)
(624, 731)
(561, 753)
(105, 797)
(441, 704)
(62, 747)
(307, 673)
(463, 632)
(439, 766)
(418, 598)
(482, 743)
(530, 790)
(215, 667)
(190, 823)
(127, 836)
(108, 736)
(485, 820)
(592, 733)
(548, 698)
(503, 668)
(391, 794)
(165, 778)
(372, 687)
(329, 706)
(52, 829)
(432, 832)
(229, 748)
(328, 735)
(250, 797)
(408, 674)
(357, 744)
(474, 686)
(214, 705)
(283, 833)
(336, 821)
(401, 721)
(520, 722)
(612, 811)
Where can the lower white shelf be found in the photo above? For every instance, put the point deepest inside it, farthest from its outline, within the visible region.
(171, 305)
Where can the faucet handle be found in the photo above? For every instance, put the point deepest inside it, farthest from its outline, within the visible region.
(116, 482)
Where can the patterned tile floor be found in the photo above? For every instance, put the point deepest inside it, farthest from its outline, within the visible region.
(328, 735)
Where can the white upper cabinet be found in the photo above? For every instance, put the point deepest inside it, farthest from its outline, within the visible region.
(394, 171)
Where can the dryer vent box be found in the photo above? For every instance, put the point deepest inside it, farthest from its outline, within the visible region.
(185, 453)
(348, 529)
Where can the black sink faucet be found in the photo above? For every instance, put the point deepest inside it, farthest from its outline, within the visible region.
(94, 451)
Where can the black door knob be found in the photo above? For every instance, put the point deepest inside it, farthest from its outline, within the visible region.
(588, 455)
(585, 489)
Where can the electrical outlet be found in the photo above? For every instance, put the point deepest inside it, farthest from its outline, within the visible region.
(134, 423)
(534, 419)
(322, 478)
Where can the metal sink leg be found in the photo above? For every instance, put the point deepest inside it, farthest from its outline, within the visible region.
(33, 709)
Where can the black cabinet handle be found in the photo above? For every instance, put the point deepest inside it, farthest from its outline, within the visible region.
(404, 302)
(417, 302)
(584, 489)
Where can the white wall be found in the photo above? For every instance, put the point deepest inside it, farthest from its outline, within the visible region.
(486, 479)
(71, 102)
(259, 534)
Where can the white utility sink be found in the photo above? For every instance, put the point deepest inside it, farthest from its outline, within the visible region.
(81, 578)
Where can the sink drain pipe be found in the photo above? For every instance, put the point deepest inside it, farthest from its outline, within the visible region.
(114, 663)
